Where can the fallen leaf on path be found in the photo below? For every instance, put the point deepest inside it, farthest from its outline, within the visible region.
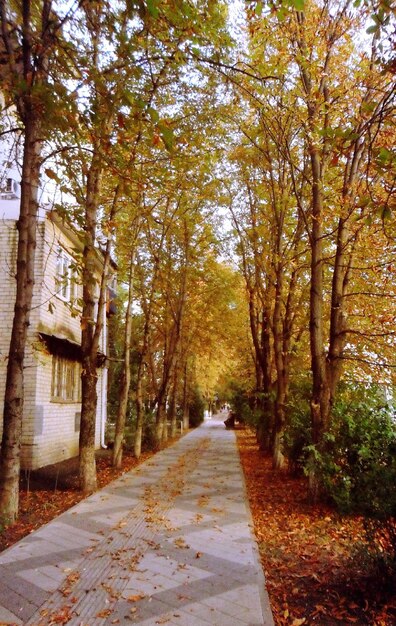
(136, 598)
(63, 616)
(104, 613)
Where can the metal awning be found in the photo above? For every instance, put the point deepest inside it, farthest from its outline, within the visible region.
(68, 349)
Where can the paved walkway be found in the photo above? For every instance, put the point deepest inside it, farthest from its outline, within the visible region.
(168, 543)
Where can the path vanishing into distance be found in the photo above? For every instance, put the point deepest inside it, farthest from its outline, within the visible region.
(170, 542)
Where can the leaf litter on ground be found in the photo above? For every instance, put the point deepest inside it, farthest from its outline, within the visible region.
(40, 501)
(309, 552)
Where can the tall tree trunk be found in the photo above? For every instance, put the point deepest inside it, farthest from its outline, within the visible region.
(89, 376)
(173, 403)
(185, 401)
(282, 344)
(14, 388)
(104, 104)
(281, 383)
(91, 331)
(320, 391)
(139, 411)
(320, 399)
(160, 421)
(24, 72)
(139, 384)
(265, 428)
(346, 242)
(125, 374)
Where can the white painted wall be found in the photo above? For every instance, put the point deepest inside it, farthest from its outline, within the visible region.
(49, 428)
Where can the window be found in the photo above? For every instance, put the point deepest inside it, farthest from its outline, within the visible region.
(66, 380)
(66, 287)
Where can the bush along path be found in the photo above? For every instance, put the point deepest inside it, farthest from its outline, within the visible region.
(320, 568)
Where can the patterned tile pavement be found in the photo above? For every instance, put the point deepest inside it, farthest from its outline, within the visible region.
(168, 543)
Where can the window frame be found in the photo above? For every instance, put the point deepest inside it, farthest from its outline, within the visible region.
(65, 282)
(65, 380)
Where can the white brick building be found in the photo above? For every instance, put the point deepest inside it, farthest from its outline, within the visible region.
(52, 370)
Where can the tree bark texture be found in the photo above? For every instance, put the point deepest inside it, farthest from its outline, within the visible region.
(14, 389)
(172, 415)
(139, 411)
(89, 339)
(125, 375)
(26, 67)
(265, 429)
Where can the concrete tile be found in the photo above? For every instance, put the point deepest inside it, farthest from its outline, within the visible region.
(197, 495)
(8, 618)
(40, 579)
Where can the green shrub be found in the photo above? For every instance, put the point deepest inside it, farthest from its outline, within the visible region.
(244, 405)
(149, 439)
(196, 408)
(358, 464)
(297, 437)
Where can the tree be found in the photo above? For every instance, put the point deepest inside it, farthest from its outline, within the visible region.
(30, 52)
(334, 157)
(155, 56)
(271, 244)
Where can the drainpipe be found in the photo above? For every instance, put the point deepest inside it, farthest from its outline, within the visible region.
(103, 388)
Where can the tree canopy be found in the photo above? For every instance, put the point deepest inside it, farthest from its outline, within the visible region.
(239, 168)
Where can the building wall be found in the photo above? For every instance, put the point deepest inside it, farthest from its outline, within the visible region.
(50, 428)
(55, 316)
(8, 239)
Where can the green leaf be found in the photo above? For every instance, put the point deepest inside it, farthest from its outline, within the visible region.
(363, 201)
(259, 8)
(152, 7)
(167, 136)
(129, 98)
(368, 107)
(299, 5)
(385, 155)
(281, 13)
(386, 213)
(141, 104)
(153, 114)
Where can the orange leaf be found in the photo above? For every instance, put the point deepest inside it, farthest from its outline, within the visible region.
(104, 613)
(136, 598)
